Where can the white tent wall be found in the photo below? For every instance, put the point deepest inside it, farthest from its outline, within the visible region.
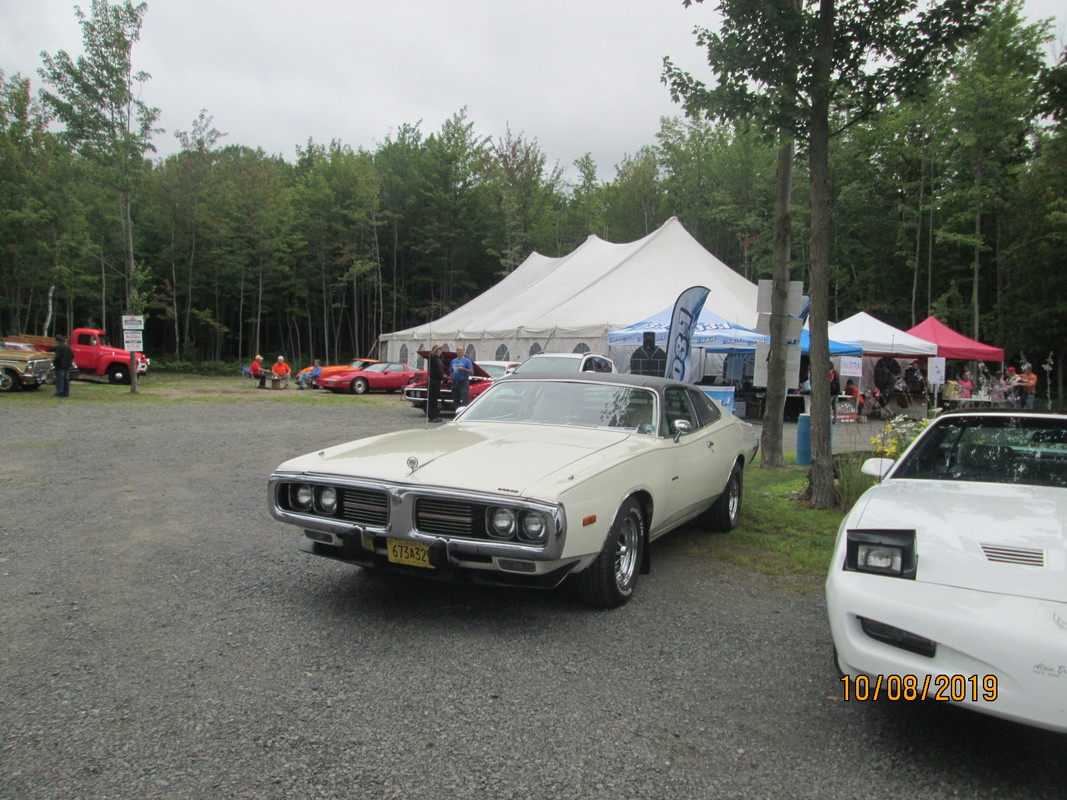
(572, 302)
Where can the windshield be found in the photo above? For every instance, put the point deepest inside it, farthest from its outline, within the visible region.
(585, 405)
(494, 370)
(380, 366)
(997, 449)
(555, 365)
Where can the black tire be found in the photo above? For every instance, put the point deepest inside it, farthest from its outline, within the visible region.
(117, 373)
(610, 580)
(359, 386)
(725, 513)
(9, 381)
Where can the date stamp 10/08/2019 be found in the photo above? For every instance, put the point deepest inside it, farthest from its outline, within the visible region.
(954, 688)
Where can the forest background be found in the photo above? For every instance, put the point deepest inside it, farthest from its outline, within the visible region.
(953, 204)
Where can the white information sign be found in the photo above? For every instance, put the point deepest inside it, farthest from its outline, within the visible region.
(132, 340)
(935, 370)
(852, 366)
(132, 322)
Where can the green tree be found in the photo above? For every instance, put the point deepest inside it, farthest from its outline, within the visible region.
(815, 70)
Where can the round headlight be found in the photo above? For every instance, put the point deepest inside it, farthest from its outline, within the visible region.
(502, 523)
(328, 499)
(534, 526)
(303, 496)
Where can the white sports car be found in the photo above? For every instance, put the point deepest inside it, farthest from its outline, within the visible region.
(537, 480)
(949, 581)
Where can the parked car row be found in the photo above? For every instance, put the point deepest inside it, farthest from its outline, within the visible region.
(948, 579)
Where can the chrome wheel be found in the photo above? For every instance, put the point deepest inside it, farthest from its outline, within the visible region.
(610, 580)
(628, 545)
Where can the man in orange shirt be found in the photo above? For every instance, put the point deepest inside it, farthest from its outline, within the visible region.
(280, 370)
(1028, 383)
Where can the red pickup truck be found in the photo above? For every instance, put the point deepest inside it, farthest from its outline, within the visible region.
(93, 355)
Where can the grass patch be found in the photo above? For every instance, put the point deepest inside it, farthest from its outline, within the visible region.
(780, 534)
(166, 388)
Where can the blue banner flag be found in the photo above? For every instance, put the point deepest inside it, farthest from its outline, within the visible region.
(684, 319)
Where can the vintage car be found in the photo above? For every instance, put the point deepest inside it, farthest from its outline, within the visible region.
(485, 372)
(381, 376)
(949, 576)
(538, 480)
(355, 363)
(22, 368)
(565, 363)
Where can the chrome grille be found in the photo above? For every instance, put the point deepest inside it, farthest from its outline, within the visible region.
(1027, 556)
(449, 517)
(365, 506)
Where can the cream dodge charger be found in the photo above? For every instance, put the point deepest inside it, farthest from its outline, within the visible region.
(538, 480)
(949, 581)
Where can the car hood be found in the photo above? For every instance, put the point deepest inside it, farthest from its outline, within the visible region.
(538, 461)
(1002, 538)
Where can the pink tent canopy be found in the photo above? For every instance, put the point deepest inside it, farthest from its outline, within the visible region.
(955, 345)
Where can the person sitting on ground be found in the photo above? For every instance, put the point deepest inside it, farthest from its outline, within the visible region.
(854, 392)
(257, 373)
(280, 371)
(305, 379)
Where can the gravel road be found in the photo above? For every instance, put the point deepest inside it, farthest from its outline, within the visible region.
(164, 638)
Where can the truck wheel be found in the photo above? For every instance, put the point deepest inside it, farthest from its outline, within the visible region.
(9, 382)
(116, 373)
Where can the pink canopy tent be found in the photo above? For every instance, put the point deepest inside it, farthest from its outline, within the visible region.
(955, 345)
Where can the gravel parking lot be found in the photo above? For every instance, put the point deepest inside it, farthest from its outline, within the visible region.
(164, 638)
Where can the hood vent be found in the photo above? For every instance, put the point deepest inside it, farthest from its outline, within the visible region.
(1027, 556)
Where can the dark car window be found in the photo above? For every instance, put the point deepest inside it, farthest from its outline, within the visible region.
(679, 406)
(707, 411)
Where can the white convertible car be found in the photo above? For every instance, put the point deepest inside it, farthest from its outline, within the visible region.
(949, 579)
(539, 479)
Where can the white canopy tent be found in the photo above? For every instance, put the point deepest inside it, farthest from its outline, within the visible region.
(875, 337)
(573, 302)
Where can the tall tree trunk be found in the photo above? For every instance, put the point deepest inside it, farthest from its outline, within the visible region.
(918, 233)
(822, 472)
(774, 412)
(977, 253)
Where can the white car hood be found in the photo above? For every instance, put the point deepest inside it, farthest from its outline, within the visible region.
(520, 460)
(977, 535)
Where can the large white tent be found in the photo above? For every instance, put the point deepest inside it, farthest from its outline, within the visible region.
(573, 302)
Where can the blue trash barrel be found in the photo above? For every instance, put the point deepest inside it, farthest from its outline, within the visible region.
(804, 439)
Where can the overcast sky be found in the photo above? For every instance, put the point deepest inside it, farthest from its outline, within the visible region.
(576, 75)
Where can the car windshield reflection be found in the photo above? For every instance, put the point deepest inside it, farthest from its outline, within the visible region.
(585, 405)
(995, 449)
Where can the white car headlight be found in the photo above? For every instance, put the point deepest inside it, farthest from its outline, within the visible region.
(328, 500)
(534, 527)
(303, 496)
(502, 523)
(881, 552)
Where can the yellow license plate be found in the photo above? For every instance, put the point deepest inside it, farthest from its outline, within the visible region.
(412, 554)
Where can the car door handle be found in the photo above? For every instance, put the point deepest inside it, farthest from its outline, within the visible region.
(711, 445)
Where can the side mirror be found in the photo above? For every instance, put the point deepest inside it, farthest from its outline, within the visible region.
(680, 428)
(878, 467)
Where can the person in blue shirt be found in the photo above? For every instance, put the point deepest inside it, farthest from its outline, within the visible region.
(461, 368)
(305, 379)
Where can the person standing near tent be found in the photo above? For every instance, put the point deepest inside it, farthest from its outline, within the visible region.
(435, 372)
(461, 368)
(1028, 382)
